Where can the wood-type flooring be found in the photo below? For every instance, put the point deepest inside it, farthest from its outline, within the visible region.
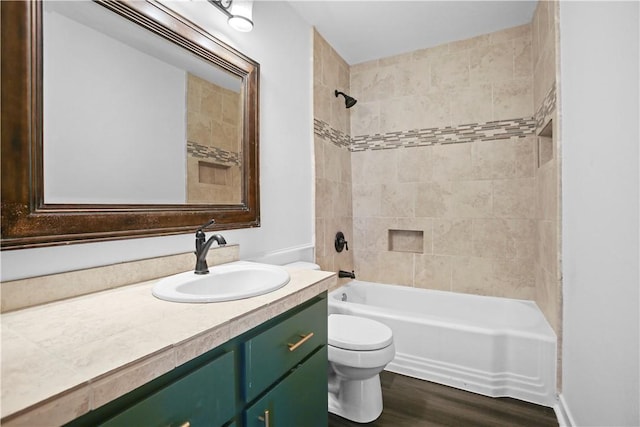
(409, 402)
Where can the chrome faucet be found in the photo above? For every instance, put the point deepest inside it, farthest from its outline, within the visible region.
(202, 248)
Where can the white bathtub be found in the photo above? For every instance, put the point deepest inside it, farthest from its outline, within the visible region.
(491, 346)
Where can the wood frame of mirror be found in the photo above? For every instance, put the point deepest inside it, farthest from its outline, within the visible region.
(27, 221)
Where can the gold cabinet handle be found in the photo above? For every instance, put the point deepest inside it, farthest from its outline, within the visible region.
(304, 339)
(266, 418)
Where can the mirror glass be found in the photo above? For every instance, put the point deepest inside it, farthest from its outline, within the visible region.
(131, 118)
(125, 120)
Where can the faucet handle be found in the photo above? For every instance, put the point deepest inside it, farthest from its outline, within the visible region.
(200, 237)
(211, 222)
(200, 234)
(340, 242)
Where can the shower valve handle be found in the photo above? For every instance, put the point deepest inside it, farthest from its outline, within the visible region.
(340, 242)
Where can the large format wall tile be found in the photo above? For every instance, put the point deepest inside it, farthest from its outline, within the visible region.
(334, 204)
(450, 71)
(444, 176)
(447, 188)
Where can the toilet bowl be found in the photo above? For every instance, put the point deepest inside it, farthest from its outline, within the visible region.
(358, 350)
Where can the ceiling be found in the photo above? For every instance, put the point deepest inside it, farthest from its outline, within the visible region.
(365, 30)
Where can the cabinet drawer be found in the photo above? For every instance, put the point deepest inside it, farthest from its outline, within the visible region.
(204, 397)
(299, 400)
(269, 355)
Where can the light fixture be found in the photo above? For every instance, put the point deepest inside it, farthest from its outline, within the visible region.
(239, 13)
(348, 100)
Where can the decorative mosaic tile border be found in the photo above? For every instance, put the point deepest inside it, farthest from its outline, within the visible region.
(546, 108)
(325, 131)
(212, 153)
(499, 129)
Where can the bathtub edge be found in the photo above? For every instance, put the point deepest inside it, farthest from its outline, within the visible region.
(563, 414)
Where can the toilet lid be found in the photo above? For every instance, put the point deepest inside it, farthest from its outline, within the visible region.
(358, 333)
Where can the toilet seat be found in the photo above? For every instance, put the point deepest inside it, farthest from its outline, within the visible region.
(358, 333)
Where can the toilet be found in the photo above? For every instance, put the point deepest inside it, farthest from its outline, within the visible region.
(358, 350)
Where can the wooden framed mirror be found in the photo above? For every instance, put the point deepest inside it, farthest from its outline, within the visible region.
(58, 186)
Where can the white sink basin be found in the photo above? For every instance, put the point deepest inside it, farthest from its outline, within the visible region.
(226, 282)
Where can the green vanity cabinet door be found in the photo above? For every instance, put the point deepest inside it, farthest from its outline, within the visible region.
(268, 356)
(299, 400)
(204, 397)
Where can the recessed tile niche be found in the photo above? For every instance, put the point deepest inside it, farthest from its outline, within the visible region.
(211, 173)
(545, 144)
(406, 241)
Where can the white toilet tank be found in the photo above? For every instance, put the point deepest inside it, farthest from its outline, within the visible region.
(302, 265)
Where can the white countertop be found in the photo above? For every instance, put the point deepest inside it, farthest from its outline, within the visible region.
(62, 359)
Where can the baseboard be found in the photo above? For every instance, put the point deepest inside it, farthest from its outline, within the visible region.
(562, 413)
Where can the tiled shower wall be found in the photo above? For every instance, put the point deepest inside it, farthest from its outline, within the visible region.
(333, 160)
(444, 167)
(548, 285)
(547, 260)
(447, 188)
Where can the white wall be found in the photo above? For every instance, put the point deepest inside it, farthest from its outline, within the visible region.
(103, 101)
(282, 43)
(600, 138)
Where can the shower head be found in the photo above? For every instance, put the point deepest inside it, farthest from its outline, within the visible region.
(348, 101)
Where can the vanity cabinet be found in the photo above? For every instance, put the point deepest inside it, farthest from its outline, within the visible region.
(271, 354)
(289, 362)
(203, 397)
(274, 375)
(300, 399)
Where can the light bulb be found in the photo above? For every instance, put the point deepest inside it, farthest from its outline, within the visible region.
(241, 15)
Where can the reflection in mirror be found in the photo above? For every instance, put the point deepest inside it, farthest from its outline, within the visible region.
(100, 135)
(132, 118)
(214, 165)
